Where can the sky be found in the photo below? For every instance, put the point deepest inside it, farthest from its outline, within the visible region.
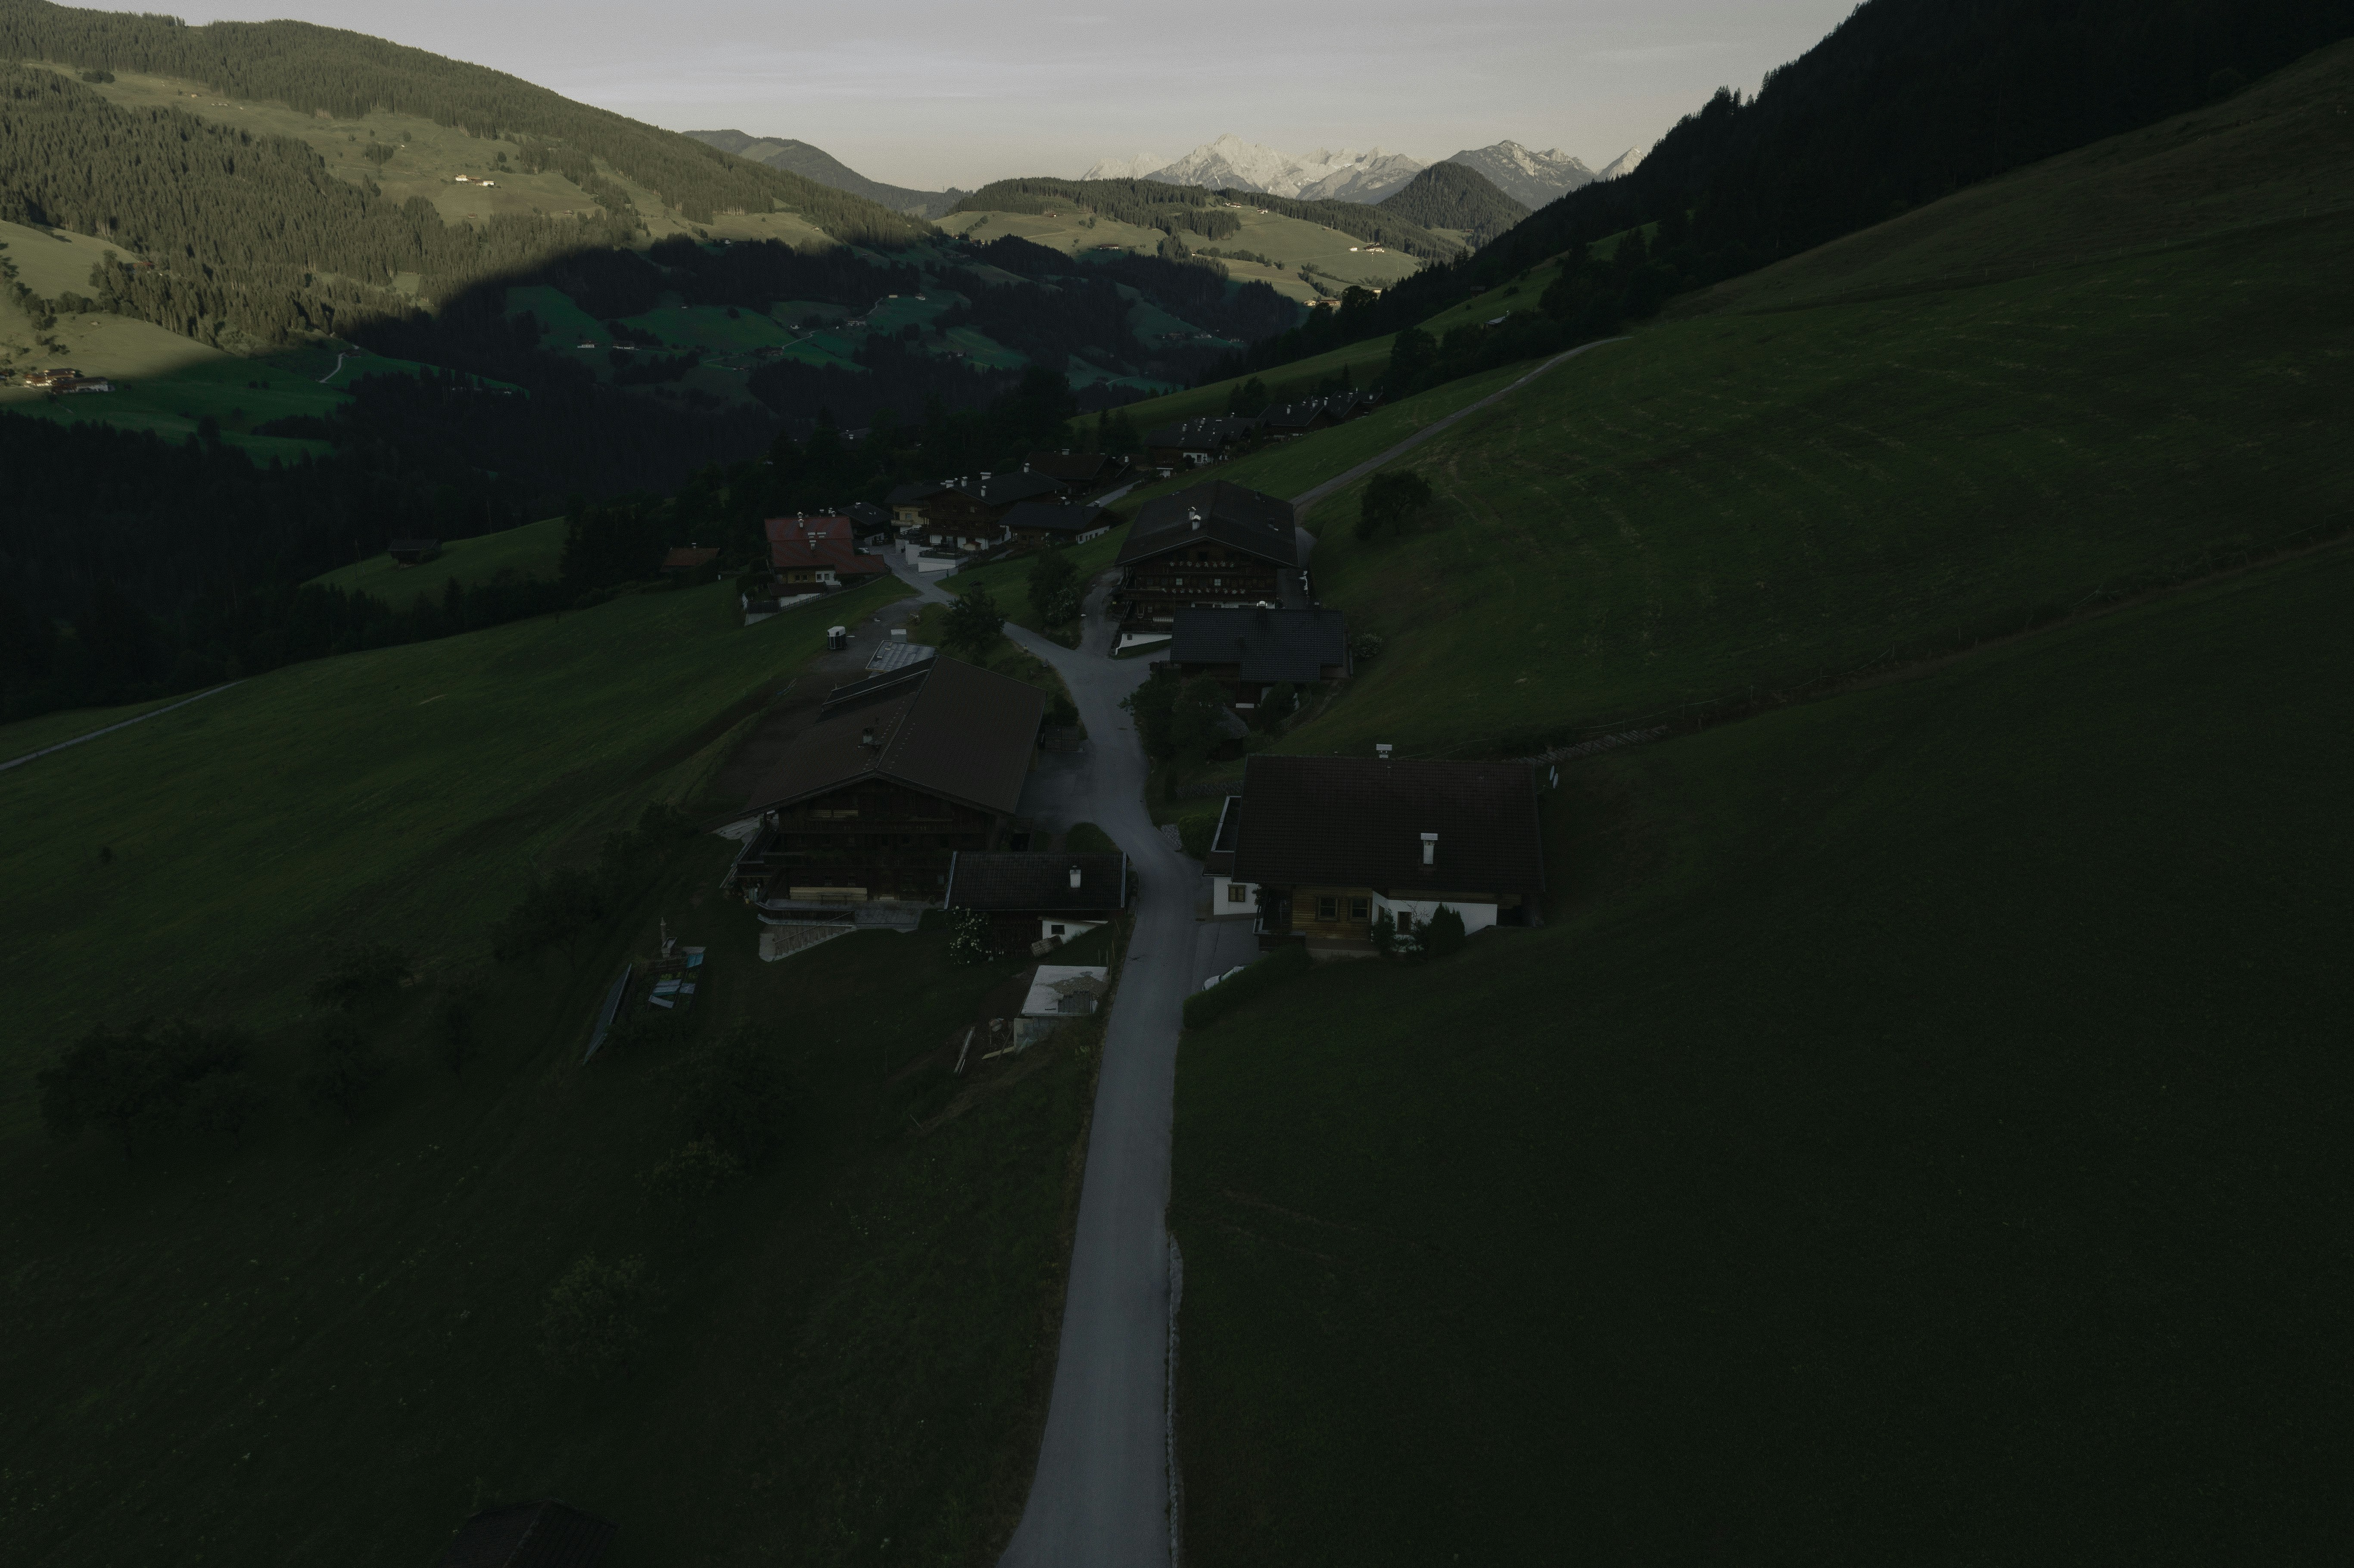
(930, 93)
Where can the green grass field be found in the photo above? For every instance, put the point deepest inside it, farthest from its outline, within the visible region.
(323, 1342)
(1913, 1138)
(1734, 506)
(534, 550)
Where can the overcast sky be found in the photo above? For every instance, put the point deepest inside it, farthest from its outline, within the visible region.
(935, 93)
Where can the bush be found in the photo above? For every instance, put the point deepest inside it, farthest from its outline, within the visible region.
(1287, 962)
(594, 1315)
(141, 1081)
(739, 1100)
(344, 1070)
(363, 974)
(1443, 933)
(1391, 501)
(570, 902)
(974, 623)
(1086, 838)
(969, 938)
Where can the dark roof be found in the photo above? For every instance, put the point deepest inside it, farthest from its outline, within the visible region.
(1004, 489)
(1077, 469)
(1207, 433)
(865, 516)
(530, 1535)
(1016, 880)
(1269, 644)
(1246, 519)
(1300, 416)
(821, 526)
(907, 494)
(1356, 822)
(688, 556)
(943, 727)
(1055, 517)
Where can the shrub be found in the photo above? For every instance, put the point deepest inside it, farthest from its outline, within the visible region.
(363, 974)
(1391, 501)
(1287, 962)
(141, 1081)
(345, 1069)
(595, 1313)
(739, 1099)
(1443, 934)
(974, 623)
(969, 938)
(1051, 576)
(1384, 934)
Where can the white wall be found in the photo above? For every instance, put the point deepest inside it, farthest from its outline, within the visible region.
(1476, 917)
(1069, 930)
(1224, 901)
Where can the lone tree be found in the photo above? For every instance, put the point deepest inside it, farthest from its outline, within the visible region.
(1053, 580)
(1178, 721)
(974, 623)
(1391, 501)
(141, 1081)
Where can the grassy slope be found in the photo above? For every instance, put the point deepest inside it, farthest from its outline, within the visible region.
(534, 550)
(1364, 361)
(398, 795)
(1911, 1134)
(332, 1329)
(1736, 504)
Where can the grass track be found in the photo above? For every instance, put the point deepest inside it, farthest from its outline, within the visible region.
(1916, 1132)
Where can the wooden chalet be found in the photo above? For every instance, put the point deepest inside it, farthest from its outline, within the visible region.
(1032, 897)
(813, 554)
(1250, 651)
(871, 526)
(909, 503)
(530, 1535)
(688, 560)
(1050, 523)
(1215, 545)
(1326, 843)
(1192, 442)
(897, 775)
(969, 514)
(1083, 474)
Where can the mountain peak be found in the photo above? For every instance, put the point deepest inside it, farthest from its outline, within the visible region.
(1532, 179)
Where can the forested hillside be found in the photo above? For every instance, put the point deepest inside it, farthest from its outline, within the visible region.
(1451, 195)
(348, 74)
(1906, 101)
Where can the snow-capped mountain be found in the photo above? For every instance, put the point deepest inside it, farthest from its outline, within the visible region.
(1532, 179)
(1623, 164)
(1140, 167)
(1232, 162)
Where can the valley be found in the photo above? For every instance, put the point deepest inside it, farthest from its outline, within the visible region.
(1900, 1120)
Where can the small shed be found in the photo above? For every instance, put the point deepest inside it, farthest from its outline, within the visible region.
(546, 1534)
(1066, 991)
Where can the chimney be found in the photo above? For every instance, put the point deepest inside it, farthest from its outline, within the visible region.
(1430, 849)
(1074, 876)
(1382, 750)
(867, 737)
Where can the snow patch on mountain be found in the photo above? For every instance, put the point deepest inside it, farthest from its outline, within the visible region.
(1140, 167)
(1231, 163)
(1531, 178)
(1624, 163)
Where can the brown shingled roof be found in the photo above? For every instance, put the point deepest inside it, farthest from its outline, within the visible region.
(1023, 880)
(943, 727)
(1355, 822)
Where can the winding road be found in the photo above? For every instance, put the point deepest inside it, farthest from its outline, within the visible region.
(1101, 1497)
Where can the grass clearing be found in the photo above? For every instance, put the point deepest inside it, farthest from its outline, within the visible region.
(400, 795)
(853, 1343)
(1733, 506)
(532, 550)
(1915, 1132)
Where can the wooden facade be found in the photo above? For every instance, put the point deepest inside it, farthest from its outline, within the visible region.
(875, 838)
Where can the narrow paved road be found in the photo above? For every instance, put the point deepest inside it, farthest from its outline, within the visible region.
(1101, 1498)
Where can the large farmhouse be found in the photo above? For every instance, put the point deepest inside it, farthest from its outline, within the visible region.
(1032, 896)
(1212, 547)
(897, 774)
(1322, 846)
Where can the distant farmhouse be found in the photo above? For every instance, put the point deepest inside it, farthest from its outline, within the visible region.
(1082, 473)
(1215, 545)
(1322, 846)
(816, 555)
(1250, 651)
(897, 775)
(1052, 522)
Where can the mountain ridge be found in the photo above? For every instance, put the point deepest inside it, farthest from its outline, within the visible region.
(1526, 176)
(811, 162)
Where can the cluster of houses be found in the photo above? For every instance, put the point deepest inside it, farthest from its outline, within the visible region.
(64, 379)
(1211, 438)
(472, 180)
(945, 523)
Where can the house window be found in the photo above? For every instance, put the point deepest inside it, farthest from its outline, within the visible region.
(1053, 930)
(1328, 908)
(1237, 893)
(1405, 920)
(1361, 908)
